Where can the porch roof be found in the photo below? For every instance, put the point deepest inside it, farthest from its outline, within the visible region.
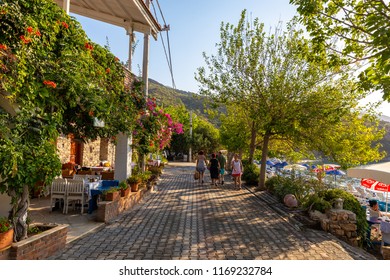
(133, 15)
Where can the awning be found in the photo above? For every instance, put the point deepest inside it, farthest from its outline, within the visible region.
(130, 14)
(379, 172)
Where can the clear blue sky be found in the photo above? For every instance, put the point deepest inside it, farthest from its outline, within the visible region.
(194, 29)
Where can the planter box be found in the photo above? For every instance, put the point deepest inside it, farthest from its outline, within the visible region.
(112, 196)
(109, 210)
(42, 245)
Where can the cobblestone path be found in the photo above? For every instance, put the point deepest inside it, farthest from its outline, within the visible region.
(185, 220)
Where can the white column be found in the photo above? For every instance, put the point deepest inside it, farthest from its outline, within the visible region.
(122, 157)
(66, 6)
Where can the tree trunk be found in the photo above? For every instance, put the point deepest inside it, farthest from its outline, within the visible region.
(20, 214)
(263, 166)
(252, 146)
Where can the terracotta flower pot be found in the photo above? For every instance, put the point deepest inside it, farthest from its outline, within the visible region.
(134, 187)
(125, 192)
(6, 238)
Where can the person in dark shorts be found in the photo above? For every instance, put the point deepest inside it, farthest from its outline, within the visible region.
(214, 169)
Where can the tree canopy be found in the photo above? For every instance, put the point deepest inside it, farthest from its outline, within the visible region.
(360, 29)
(272, 79)
(53, 80)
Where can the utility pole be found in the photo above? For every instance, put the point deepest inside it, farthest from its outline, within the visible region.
(190, 150)
(145, 64)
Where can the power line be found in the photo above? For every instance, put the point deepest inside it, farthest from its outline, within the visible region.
(167, 54)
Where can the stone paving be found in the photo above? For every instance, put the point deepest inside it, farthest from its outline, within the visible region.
(184, 220)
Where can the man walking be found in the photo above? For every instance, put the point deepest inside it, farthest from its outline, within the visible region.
(222, 162)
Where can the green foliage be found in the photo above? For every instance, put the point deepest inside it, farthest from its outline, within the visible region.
(274, 82)
(205, 137)
(321, 201)
(123, 185)
(144, 177)
(5, 224)
(111, 190)
(134, 179)
(251, 174)
(298, 186)
(52, 80)
(360, 28)
(318, 203)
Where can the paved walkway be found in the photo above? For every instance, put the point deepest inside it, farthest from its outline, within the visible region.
(185, 220)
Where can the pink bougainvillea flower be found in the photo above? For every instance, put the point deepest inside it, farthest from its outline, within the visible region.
(30, 29)
(50, 84)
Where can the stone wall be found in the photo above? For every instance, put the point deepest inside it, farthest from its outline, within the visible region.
(63, 147)
(92, 152)
(341, 223)
(38, 247)
(109, 210)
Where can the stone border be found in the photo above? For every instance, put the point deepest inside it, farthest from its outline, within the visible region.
(109, 210)
(38, 247)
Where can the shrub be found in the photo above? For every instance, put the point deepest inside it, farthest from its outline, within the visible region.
(251, 174)
(324, 199)
(280, 186)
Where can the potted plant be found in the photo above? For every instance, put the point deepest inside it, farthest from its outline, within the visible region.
(144, 177)
(124, 187)
(111, 194)
(6, 233)
(134, 181)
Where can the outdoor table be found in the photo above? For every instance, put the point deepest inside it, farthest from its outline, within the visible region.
(95, 189)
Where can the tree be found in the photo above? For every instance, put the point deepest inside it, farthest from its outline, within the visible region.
(272, 78)
(235, 130)
(52, 80)
(205, 136)
(361, 27)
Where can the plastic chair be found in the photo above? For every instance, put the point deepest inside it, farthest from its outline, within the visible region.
(58, 191)
(75, 192)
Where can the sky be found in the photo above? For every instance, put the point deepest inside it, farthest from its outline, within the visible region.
(194, 29)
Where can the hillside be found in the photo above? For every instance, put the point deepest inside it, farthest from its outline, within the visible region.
(167, 96)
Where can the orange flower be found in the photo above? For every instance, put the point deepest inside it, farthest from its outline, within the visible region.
(3, 47)
(30, 29)
(65, 25)
(91, 113)
(116, 59)
(38, 33)
(108, 70)
(25, 40)
(88, 46)
(50, 84)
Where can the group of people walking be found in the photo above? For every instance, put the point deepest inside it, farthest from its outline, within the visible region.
(217, 167)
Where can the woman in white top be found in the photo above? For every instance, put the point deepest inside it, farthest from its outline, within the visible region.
(237, 171)
(201, 164)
